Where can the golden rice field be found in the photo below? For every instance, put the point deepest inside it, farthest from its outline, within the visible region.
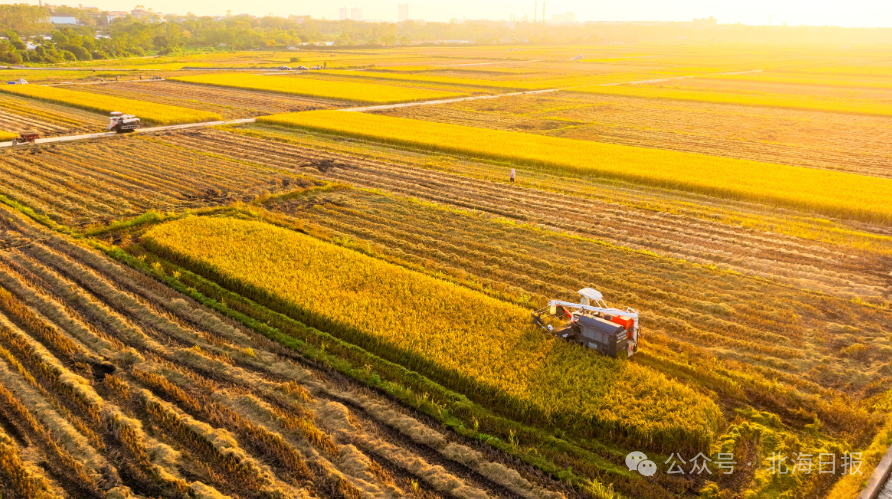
(158, 114)
(505, 85)
(823, 80)
(825, 191)
(336, 305)
(746, 99)
(470, 340)
(345, 91)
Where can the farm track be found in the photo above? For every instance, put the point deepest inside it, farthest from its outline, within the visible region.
(231, 103)
(855, 144)
(803, 263)
(153, 394)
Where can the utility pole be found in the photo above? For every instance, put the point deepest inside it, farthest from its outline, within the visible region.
(535, 11)
(543, 12)
(769, 20)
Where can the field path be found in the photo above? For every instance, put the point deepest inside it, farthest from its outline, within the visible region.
(71, 138)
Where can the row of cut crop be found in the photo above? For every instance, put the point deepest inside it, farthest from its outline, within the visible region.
(822, 191)
(254, 384)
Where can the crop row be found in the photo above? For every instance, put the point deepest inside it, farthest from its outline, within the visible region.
(48, 116)
(472, 340)
(713, 313)
(152, 113)
(186, 403)
(831, 105)
(231, 103)
(568, 81)
(848, 143)
(709, 175)
(678, 230)
(89, 182)
(371, 93)
(494, 198)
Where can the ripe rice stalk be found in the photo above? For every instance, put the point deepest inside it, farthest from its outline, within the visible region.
(49, 335)
(81, 470)
(217, 446)
(493, 356)
(271, 444)
(17, 480)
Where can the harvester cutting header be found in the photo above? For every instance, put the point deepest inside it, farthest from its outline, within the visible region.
(610, 331)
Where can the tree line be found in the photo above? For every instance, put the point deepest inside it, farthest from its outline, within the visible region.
(30, 37)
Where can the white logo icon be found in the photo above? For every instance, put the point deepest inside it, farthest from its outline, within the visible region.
(638, 461)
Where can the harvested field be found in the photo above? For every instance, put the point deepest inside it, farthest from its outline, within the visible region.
(158, 114)
(18, 114)
(735, 179)
(361, 92)
(855, 144)
(847, 261)
(123, 385)
(98, 182)
(228, 102)
(521, 262)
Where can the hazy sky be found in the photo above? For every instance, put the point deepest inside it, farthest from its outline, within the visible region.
(870, 13)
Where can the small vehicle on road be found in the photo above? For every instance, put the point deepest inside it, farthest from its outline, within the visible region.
(122, 123)
(26, 137)
(285, 68)
(303, 68)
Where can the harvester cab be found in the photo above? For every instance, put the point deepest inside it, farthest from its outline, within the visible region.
(593, 324)
(122, 123)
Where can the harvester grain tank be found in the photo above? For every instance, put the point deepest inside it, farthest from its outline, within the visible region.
(593, 324)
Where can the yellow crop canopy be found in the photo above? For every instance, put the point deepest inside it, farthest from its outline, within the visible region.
(159, 114)
(458, 336)
(371, 93)
(787, 101)
(830, 192)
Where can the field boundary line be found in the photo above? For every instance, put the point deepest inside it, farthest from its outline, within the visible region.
(881, 474)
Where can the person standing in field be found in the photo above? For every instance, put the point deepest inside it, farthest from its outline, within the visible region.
(512, 175)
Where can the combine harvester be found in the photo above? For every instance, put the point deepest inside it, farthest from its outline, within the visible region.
(591, 323)
(122, 123)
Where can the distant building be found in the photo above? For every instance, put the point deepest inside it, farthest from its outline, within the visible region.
(63, 20)
(116, 14)
(403, 12)
(356, 14)
(298, 19)
(342, 13)
(568, 17)
(705, 22)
